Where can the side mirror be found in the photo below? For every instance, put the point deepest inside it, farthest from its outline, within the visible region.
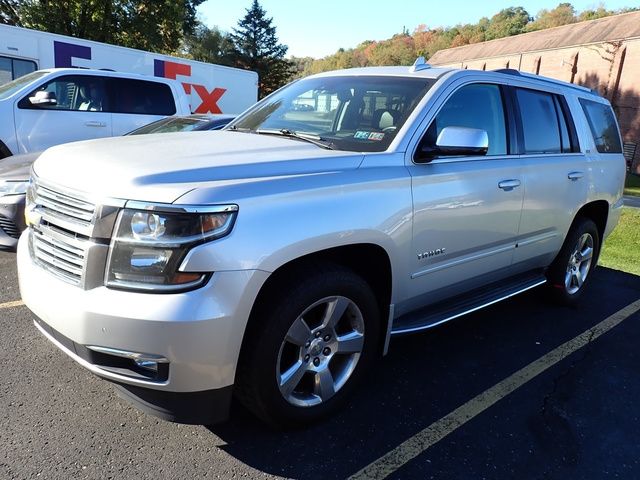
(455, 141)
(43, 98)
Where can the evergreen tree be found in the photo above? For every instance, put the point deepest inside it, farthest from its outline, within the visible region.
(257, 48)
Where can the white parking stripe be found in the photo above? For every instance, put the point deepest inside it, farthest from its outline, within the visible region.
(17, 303)
(414, 446)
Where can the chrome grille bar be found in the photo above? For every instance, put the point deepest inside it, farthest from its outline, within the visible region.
(64, 206)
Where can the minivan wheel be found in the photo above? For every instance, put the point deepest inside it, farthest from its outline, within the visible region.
(312, 345)
(569, 273)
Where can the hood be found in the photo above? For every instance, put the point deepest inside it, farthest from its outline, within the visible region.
(163, 167)
(17, 167)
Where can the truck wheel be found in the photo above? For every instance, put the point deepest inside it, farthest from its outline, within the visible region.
(569, 272)
(312, 344)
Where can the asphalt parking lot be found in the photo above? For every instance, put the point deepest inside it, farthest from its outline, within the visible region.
(578, 418)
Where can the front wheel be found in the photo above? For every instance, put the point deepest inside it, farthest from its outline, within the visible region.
(571, 269)
(309, 348)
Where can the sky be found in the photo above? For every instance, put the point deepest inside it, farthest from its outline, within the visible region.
(319, 28)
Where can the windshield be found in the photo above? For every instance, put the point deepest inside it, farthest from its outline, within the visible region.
(169, 125)
(12, 87)
(355, 113)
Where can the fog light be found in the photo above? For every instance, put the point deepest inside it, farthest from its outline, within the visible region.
(147, 365)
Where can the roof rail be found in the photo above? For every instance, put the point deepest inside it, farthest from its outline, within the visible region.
(518, 73)
(419, 64)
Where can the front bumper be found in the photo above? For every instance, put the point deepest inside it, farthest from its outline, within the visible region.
(11, 220)
(199, 332)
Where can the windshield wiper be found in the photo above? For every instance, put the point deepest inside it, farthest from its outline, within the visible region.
(307, 137)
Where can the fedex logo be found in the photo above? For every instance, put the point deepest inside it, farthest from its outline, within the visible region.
(64, 53)
(166, 69)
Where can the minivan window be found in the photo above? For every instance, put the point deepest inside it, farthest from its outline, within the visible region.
(540, 127)
(474, 106)
(603, 126)
(72, 92)
(141, 97)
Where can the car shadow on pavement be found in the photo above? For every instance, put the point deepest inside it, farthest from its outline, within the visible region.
(424, 377)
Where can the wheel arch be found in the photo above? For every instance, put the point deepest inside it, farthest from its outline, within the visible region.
(598, 211)
(370, 261)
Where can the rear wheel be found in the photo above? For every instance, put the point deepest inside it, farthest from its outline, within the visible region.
(313, 343)
(570, 271)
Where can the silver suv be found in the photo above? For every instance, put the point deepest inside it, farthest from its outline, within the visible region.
(271, 262)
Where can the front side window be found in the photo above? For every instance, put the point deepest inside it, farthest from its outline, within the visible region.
(603, 126)
(69, 92)
(354, 113)
(476, 106)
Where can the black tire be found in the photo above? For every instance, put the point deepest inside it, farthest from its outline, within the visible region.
(257, 379)
(560, 290)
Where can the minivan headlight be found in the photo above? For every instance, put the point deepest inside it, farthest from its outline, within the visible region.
(149, 246)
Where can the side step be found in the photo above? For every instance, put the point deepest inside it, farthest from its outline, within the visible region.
(455, 307)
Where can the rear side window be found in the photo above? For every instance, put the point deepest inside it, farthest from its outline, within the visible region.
(141, 97)
(603, 126)
(540, 122)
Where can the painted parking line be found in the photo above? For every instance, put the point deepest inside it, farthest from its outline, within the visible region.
(17, 303)
(414, 446)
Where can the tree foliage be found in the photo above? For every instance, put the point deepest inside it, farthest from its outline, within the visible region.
(256, 47)
(155, 25)
(209, 45)
(403, 49)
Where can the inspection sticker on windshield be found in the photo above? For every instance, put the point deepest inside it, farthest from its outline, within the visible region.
(368, 135)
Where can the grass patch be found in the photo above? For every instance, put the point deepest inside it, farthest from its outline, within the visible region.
(622, 249)
(632, 185)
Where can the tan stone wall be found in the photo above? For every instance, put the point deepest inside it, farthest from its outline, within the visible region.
(611, 68)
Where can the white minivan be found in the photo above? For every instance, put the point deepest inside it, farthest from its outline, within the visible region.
(61, 105)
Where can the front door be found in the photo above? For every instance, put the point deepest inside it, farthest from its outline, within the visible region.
(74, 108)
(466, 209)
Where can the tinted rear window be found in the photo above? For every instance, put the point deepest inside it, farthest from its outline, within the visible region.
(603, 126)
(141, 97)
(540, 126)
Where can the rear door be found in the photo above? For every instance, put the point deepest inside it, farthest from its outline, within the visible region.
(555, 174)
(77, 109)
(466, 209)
(139, 102)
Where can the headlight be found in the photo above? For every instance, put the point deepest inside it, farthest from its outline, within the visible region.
(11, 187)
(149, 245)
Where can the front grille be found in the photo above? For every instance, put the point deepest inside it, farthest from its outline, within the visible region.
(62, 253)
(63, 206)
(9, 227)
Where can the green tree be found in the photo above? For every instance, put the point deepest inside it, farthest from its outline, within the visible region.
(155, 25)
(9, 12)
(507, 22)
(209, 45)
(563, 14)
(257, 48)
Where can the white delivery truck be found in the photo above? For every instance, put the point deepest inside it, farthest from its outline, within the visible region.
(211, 88)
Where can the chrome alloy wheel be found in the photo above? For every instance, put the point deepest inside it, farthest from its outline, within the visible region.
(579, 264)
(320, 351)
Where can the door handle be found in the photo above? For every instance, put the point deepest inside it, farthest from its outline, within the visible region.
(575, 176)
(95, 124)
(508, 185)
